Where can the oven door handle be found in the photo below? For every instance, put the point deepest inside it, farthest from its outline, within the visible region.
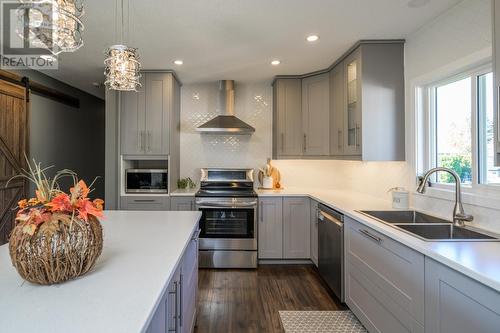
(226, 205)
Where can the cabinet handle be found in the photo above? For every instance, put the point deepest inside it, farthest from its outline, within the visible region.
(141, 136)
(144, 200)
(180, 300)
(149, 140)
(282, 143)
(139, 140)
(356, 133)
(371, 236)
(305, 142)
(339, 139)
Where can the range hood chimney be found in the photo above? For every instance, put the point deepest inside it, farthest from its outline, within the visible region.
(227, 123)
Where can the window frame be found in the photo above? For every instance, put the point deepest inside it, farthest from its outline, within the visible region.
(428, 159)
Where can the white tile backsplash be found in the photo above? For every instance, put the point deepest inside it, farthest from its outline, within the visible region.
(253, 105)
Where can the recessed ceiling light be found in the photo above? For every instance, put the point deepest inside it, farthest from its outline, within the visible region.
(312, 38)
(178, 62)
(275, 62)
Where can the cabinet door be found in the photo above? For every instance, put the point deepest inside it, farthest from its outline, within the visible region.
(288, 117)
(270, 228)
(352, 108)
(296, 228)
(496, 70)
(337, 110)
(158, 105)
(182, 203)
(189, 286)
(316, 115)
(314, 232)
(132, 124)
(455, 303)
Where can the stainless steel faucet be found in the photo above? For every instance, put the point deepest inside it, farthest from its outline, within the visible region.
(459, 216)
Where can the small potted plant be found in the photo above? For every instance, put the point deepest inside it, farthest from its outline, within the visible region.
(57, 236)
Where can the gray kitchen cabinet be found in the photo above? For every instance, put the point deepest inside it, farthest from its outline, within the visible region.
(176, 311)
(384, 280)
(296, 228)
(133, 118)
(270, 228)
(145, 202)
(146, 116)
(314, 231)
(357, 112)
(375, 110)
(455, 303)
(337, 102)
(352, 107)
(182, 203)
(316, 115)
(189, 286)
(287, 119)
(496, 73)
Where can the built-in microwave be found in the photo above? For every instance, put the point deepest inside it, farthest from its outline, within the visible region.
(146, 181)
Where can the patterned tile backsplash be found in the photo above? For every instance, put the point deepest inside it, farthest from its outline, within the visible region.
(253, 104)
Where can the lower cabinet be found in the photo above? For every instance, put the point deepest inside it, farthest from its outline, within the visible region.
(296, 228)
(182, 203)
(270, 228)
(384, 281)
(176, 311)
(145, 202)
(284, 228)
(314, 231)
(455, 303)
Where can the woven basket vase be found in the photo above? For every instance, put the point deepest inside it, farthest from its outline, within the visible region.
(65, 253)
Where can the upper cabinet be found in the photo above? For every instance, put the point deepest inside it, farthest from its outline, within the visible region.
(352, 110)
(146, 116)
(315, 115)
(337, 102)
(287, 130)
(496, 72)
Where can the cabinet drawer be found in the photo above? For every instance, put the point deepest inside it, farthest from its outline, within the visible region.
(138, 202)
(374, 308)
(394, 268)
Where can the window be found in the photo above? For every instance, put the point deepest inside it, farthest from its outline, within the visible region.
(459, 128)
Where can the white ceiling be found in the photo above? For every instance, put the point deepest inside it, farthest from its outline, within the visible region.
(237, 39)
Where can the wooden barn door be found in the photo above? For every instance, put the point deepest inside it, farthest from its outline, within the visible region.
(13, 147)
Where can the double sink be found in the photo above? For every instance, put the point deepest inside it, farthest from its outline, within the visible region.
(427, 227)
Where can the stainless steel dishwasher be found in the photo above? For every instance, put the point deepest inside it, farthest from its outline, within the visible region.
(331, 249)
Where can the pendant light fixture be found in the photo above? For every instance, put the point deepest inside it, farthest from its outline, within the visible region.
(122, 66)
(55, 25)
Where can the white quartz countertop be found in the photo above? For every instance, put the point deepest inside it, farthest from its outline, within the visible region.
(141, 251)
(477, 260)
(188, 192)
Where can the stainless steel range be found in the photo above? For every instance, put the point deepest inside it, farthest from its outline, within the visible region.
(228, 202)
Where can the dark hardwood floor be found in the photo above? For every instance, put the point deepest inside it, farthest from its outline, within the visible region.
(244, 301)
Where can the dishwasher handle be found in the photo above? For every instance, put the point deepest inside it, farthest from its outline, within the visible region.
(322, 216)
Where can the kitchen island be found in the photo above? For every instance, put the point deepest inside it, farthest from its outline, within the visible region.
(128, 290)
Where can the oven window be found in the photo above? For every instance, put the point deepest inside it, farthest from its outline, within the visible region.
(147, 181)
(227, 223)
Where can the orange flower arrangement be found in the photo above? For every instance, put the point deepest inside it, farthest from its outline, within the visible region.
(57, 235)
(50, 203)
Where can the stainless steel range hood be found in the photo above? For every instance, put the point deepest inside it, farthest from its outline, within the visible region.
(227, 123)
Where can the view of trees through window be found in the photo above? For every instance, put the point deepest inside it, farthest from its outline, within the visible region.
(453, 130)
(463, 134)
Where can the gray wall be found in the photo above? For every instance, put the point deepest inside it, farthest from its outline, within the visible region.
(67, 137)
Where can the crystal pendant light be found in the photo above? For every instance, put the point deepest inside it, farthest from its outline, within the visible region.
(122, 66)
(55, 25)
